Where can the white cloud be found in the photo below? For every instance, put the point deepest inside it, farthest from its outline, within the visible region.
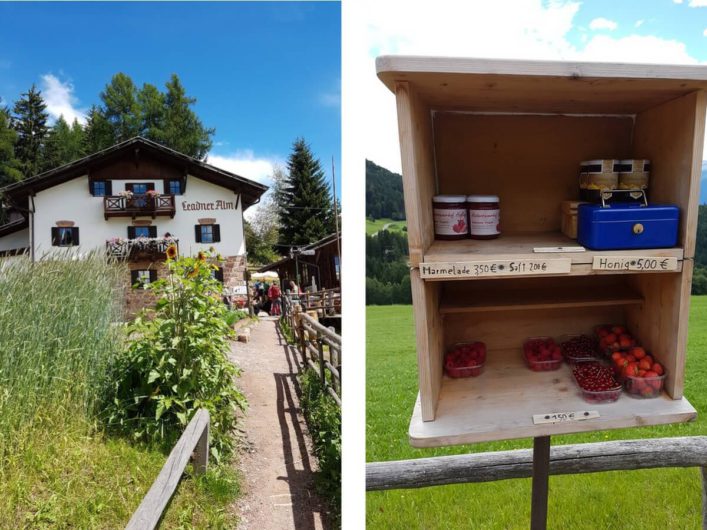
(678, 1)
(638, 23)
(698, 3)
(60, 100)
(243, 162)
(705, 32)
(603, 23)
(537, 30)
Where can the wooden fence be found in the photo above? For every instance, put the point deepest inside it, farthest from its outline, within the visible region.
(564, 459)
(318, 347)
(193, 444)
(326, 302)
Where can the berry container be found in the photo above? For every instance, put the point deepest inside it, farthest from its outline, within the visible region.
(579, 348)
(644, 387)
(537, 365)
(605, 395)
(459, 362)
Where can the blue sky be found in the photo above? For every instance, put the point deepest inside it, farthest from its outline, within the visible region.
(647, 31)
(263, 73)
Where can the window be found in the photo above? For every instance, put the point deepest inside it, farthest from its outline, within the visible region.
(174, 187)
(65, 236)
(207, 233)
(101, 188)
(141, 231)
(142, 277)
(217, 274)
(139, 189)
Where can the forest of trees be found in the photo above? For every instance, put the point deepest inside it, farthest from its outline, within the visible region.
(387, 272)
(384, 193)
(29, 145)
(699, 277)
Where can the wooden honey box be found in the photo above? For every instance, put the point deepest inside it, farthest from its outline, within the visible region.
(516, 130)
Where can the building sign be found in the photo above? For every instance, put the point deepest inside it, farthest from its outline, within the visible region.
(198, 206)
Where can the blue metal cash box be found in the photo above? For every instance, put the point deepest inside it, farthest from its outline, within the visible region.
(620, 226)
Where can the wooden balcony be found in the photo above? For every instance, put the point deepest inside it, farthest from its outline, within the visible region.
(141, 248)
(138, 206)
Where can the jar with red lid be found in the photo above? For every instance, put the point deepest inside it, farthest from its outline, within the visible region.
(450, 217)
(484, 216)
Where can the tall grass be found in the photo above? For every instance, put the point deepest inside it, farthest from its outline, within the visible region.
(57, 337)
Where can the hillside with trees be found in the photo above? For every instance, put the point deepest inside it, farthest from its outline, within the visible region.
(384, 193)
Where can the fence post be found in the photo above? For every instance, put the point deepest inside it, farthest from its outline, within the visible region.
(320, 349)
(201, 453)
(302, 340)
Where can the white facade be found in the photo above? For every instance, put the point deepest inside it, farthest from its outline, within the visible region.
(19, 239)
(72, 201)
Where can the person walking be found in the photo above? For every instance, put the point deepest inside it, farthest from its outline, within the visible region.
(274, 294)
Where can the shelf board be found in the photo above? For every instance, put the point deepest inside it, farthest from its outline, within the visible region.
(520, 247)
(500, 403)
(506, 299)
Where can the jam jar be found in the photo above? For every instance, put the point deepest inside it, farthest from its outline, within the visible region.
(484, 216)
(450, 217)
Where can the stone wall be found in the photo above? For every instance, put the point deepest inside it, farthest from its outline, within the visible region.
(137, 298)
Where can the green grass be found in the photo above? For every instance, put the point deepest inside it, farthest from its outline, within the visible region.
(373, 227)
(646, 499)
(57, 469)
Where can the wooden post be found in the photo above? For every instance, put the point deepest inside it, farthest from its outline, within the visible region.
(541, 473)
(704, 497)
(201, 453)
(320, 349)
(302, 340)
(246, 274)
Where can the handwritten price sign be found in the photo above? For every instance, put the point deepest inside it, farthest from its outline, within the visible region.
(564, 417)
(634, 263)
(478, 269)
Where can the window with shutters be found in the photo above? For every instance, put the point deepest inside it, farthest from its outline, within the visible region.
(174, 187)
(208, 233)
(101, 188)
(142, 277)
(65, 236)
(141, 231)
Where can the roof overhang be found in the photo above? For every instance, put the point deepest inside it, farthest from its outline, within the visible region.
(249, 190)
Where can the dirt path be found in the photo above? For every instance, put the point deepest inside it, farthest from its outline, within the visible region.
(278, 470)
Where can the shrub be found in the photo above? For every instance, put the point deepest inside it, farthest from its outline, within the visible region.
(176, 361)
(323, 417)
(235, 316)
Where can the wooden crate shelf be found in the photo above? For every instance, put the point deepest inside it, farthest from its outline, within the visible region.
(500, 403)
(520, 247)
(490, 299)
(519, 130)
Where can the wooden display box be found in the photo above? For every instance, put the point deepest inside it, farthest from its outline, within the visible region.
(519, 130)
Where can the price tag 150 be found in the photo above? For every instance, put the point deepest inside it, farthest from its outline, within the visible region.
(564, 417)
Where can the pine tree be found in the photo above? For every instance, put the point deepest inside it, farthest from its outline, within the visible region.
(152, 112)
(121, 108)
(30, 122)
(183, 130)
(98, 133)
(64, 144)
(10, 167)
(306, 213)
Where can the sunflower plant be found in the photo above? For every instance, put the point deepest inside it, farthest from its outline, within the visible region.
(176, 360)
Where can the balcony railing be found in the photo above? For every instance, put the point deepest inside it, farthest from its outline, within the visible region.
(141, 247)
(138, 205)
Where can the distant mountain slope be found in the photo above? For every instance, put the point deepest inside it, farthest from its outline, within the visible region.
(384, 193)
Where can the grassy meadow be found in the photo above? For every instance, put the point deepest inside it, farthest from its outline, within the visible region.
(645, 500)
(373, 227)
(58, 336)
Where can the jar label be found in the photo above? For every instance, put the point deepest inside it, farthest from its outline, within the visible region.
(484, 222)
(449, 222)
